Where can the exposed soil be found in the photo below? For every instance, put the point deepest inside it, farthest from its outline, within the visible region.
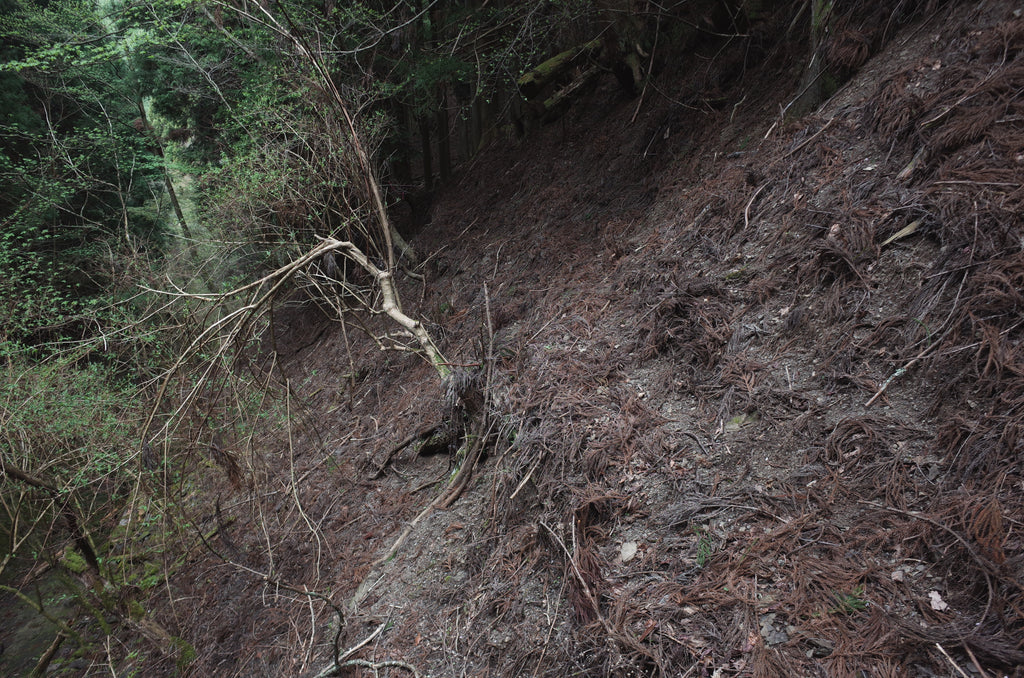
(745, 421)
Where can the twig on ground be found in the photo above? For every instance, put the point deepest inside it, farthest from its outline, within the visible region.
(526, 478)
(294, 482)
(422, 434)
(579, 577)
(551, 628)
(746, 211)
(695, 439)
(342, 662)
(810, 138)
(950, 660)
(900, 372)
(974, 660)
(355, 648)
(377, 666)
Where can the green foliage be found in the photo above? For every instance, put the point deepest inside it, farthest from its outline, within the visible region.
(186, 653)
(75, 175)
(74, 562)
(72, 424)
(434, 71)
(151, 577)
(290, 177)
(68, 430)
(849, 603)
(196, 65)
(705, 549)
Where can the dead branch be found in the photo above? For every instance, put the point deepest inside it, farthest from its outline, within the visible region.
(591, 598)
(809, 139)
(342, 661)
(391, 304)
(950, 660)
(227, 330)
(422, 434)
(473, 447)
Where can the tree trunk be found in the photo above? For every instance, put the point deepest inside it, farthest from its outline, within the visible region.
(158, 148)
(428, 161)
(401, 169)
(477, 120)
(533, 83)
(172, 194)
(812, 85)
(444, 148)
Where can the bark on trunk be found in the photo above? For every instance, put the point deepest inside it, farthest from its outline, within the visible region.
(444, 148)
(158, 148)
(428, 161)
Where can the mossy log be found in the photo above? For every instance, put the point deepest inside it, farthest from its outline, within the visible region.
(555, 105)
(534, 81)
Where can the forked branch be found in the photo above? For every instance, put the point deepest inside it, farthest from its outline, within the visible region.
(232, 326)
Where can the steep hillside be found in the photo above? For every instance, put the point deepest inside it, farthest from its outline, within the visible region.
(754, 388)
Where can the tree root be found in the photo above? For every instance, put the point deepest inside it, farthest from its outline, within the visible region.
(455, 488)
(475, 399)
(423, 435)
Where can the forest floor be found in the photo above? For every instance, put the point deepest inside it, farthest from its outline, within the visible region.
(756, 395)
(755, 387)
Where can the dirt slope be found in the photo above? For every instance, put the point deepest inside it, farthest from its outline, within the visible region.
(747, 421)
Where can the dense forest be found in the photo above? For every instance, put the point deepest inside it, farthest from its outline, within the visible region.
(184, 183)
